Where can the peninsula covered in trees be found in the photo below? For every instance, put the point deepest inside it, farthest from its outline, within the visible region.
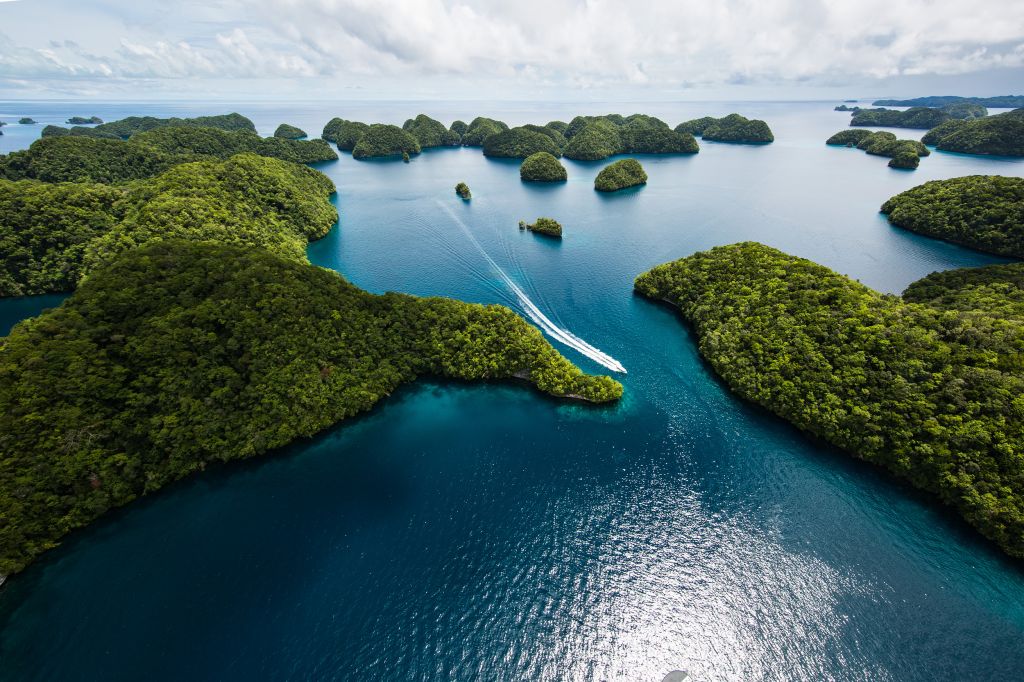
(902, 153)
(542, 167)
(999, 135)
(620, 175)
(984, 212)
(732, 128)
(181, 354)
(932, 392)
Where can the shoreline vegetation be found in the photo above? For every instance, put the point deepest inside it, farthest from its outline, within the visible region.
(197, 330)
(930, 390)
(983, 212)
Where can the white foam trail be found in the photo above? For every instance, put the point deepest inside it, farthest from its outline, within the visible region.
(534, 313)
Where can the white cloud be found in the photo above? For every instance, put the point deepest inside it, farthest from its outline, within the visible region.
(567, 43)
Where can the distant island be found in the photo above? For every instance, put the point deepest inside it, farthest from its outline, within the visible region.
(903, 153)
(918, 117)
(546, 226)
(81, 121)
(462, 189)
(843, 107)
(999, 102)
(542, 167)
(620, 175)
(930, 392)
(26, 121)
(999, 135)
(732, 128)
(984, 212)
(289, 132)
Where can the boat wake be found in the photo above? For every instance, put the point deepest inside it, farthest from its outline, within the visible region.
(533, 312)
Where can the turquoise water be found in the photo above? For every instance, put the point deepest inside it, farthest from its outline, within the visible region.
(486, 532)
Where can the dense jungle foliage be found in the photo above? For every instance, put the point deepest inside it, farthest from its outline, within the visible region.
(344, 133)
(619, 175)
(934, 395)
(542, 167)
(382, 140)
(999, 135)
(480, 128)
(182, 354)
(51, 234)
(984, 212)
(431, 133)
(289, 132)
(519, 143)
(591, 138)
(732, 128)
(993, 289)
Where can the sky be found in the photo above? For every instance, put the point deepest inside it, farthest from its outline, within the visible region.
(523, 49)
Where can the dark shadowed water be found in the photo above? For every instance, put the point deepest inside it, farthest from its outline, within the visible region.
(486, 532)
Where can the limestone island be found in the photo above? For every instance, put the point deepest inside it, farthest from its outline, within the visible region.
(732, 128)
(523, 141)
(26, 121)
(479, 129)
(462, 189)
(542, 167)
(997, 102)
(344, 134)
(289, 132)
(590, 138)
(620, 175)
(930, 391)
(999, 135)
(983, 212)
(382, 140)
(431, 133)
(82, 121)
(905, 154)
(545, 226)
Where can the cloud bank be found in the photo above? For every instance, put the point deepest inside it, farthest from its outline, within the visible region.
(669, 45)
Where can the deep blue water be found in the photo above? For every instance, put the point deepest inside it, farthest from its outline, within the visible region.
(486, 532)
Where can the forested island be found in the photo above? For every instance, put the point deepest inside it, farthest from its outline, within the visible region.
(382, 140)
(984, 212)
(431, 133)
(127, 127)
(995, 289)
(917, 117)
(999, 102)
(999, 135)
(932, 392)
(344, 133)
(620, 175)
(732, 128)
(545, 226)
(26, 121)
(542, 167)
(83, 121)
(523, 141)
(289, 132)
(902, 153)
(462, 189)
